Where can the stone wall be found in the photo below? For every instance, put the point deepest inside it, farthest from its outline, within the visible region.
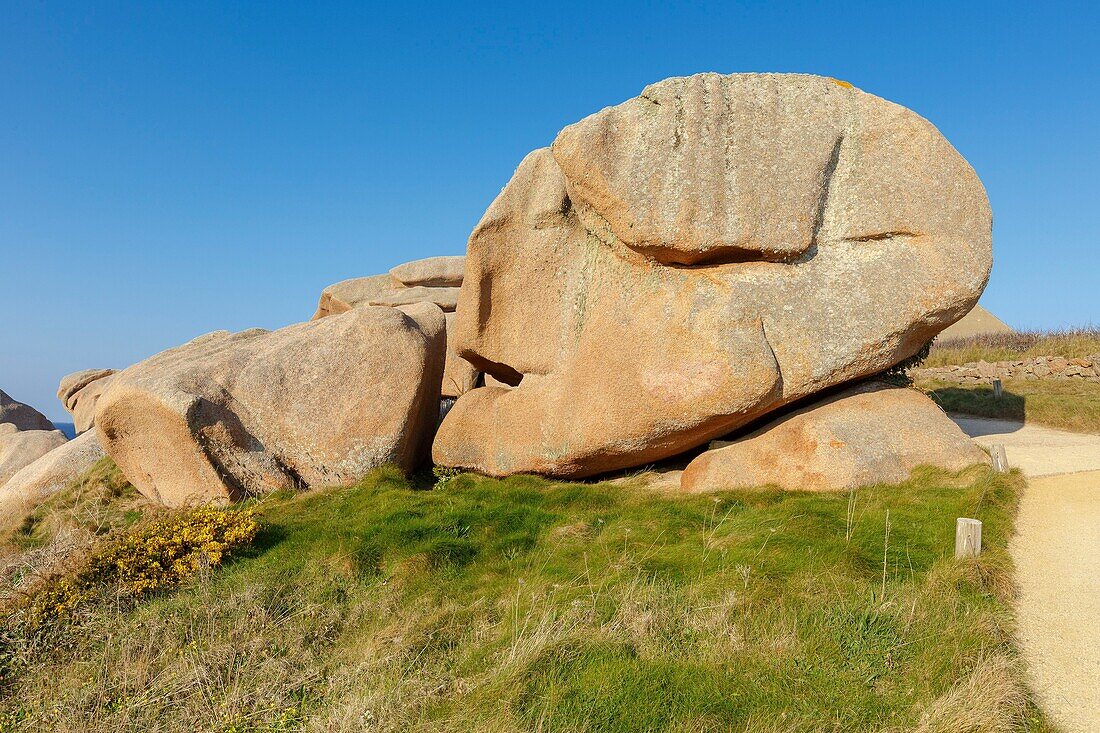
(1043, 367)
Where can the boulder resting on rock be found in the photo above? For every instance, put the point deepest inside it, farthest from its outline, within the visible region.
(19, 448)
(868, 434)
(80, 391)
(431, 280)
(35, 482)
(348, 294)
(314, 404)
(679, 265)
(432, 272)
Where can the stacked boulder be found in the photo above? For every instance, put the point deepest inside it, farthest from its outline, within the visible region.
(686, 263)
(25, 436)
(719, 257)
(432, 280)
(314, 404)
(79, 392)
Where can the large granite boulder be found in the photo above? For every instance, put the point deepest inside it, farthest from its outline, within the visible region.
(80, 392)
(688, 261)
(314, 404)
(23, 417)
(431, 280)
(19, 448)
(50, 473)
(864, 435)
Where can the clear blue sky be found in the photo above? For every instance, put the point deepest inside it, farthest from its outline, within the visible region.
(167, 169)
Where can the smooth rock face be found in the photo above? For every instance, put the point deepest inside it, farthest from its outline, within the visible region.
(314, 404)
(32, 484)
(694, 258)
(23, 417)
(432, 272)
(866, 435)
(80, 392)
(19, 448)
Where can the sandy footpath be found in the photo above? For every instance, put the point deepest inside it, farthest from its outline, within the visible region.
(1057, 555)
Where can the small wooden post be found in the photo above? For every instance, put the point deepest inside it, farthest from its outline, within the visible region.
(997, 389)
(1000, 460)
(968, 537)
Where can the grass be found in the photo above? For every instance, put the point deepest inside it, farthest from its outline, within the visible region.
(1069, 404)
(524, 604)
(1072, 344)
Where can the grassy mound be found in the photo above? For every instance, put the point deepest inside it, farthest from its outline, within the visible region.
(525, 604)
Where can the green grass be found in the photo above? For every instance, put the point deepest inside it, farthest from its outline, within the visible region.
(1069, 404)
(525, 604)
(1072, 344)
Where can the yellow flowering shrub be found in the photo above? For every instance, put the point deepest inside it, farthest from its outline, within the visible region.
(143, 559)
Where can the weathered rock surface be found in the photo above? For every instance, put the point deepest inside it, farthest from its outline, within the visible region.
(432, 272)
(23, 417)
(19, 448)
(445, 298)
(80, 391)
(459, 375)
(431, 280)
(683, 263)
(314, 404)
(347, 294)
(33, 483)
(865, 435)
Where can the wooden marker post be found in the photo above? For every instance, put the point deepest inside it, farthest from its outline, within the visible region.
(1000, 460)
(968, 537)
(997, 389)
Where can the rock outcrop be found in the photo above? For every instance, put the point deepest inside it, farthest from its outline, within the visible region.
(681, 264)
(348, 294)
(314, 404)
(23, 417)
(431, 272)
(864, 435)
(80, 392)
(433, 280)
(445, 298)
(19, 448)
(35, 482)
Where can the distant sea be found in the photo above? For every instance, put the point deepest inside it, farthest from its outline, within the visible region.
(66, 427)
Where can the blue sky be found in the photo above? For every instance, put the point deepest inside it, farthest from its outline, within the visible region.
(170, 169)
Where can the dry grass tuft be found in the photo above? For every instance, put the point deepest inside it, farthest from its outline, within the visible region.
(1075, 343)
(989, 699)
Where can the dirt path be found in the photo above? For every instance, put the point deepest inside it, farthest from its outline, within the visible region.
(1057, 554)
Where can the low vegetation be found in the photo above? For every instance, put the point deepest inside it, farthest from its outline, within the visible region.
(1071, 344)
(1069, 404)
(525, 604)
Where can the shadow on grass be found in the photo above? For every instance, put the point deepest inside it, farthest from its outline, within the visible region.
(979, 401)
(269, 537)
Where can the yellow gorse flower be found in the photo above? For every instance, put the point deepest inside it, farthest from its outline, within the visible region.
(157, 555)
